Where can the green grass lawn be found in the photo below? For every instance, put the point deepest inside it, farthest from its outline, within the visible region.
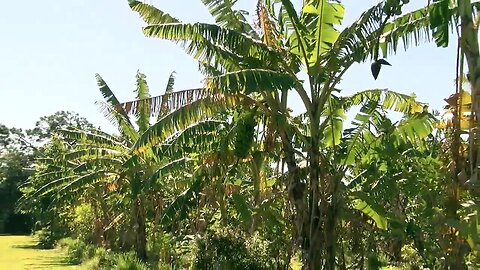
(20, 252)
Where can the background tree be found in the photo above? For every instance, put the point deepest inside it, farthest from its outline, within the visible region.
(35, 143)
(15, 168)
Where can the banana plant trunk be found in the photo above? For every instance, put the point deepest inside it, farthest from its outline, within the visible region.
(470, 47)
(140, 229)
(330, 217)
(138, 218)
(296, 195)
(316, 203)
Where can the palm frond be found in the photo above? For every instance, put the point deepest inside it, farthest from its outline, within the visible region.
(359, 139)
(151, 14)
(243, 209)
(183, 117)
(321, 17)
(119, 120)
(202, 34)
(174, 166)
(52, 186)
(198, 138)
(168, 90)
(368, 34)
(114, 112)
(178, 209)
(363, 203)
(143, 109)
(411, 29)
(267, 25)
(252, 80)
(98, 162)
(285, 25)
(108, 95)
(441, 21)
(91, 152)
(97, 138)
(335, 117)
(170, 83)
(165, 103)
(226, 16)
(415, 128)
(355, 41)
(132, 162)
(219, 58)
(388, 100)
(84, 181)
(208, 69)
(297, 38)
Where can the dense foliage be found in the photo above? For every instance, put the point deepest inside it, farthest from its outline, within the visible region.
(227, 176)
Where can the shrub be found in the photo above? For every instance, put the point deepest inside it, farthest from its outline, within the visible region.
(75, 250)
(163, 266)
(128, 261)
(101, 259)
(92, 264)
(229, 250)
(82, 225)
(46, 238)
(106, 257)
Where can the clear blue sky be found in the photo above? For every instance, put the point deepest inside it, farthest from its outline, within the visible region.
(50, 51)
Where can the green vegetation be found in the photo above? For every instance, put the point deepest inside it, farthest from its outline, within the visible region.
(227, 176)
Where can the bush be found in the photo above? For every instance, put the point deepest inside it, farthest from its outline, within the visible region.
(76, 250)
(47, 237)
(230, 250)
(106, 257)
(92, 264)
(82, 225)
(101, 259)
(128, 261)
(163, 266)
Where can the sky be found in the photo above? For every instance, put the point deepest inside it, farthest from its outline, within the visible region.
(50, 51)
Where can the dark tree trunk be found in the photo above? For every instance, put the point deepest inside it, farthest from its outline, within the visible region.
(330, 237)
(316, 219)
(140, 230)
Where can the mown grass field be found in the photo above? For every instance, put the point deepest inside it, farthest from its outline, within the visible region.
(20, 252)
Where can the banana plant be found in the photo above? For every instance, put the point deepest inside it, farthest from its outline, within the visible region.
(261, 64)
(469, 48)
(106, 163)
(465, 109)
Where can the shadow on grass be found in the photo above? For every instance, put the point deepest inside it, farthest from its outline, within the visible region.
(29, 246)
(43, 263)
(48, 264)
